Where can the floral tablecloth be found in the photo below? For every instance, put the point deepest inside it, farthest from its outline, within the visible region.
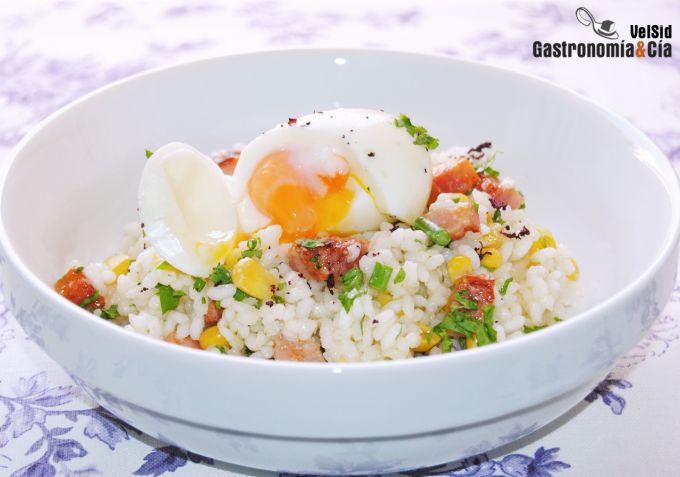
(51, 52)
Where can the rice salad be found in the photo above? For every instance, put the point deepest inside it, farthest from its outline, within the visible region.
(404, 289)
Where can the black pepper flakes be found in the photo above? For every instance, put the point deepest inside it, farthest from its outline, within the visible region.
(372, 154)
(269, 303)
(330, 281)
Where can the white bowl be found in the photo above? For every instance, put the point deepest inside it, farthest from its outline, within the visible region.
(602, 187)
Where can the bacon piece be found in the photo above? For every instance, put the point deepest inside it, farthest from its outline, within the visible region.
(500, 193)
(308, 350)
(227, 161)
(455, 175)
(479, 288)
(187, 341)
(212, 315)
(335, 257)
(75, 287)
(456, 218)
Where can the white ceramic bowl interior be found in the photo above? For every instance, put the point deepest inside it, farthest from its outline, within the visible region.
(600, 185)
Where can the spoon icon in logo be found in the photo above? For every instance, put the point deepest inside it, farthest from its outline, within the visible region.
(606, 29)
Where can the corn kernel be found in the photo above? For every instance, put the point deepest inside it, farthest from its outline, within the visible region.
(573, 276)
(384, 298)
(232, 257)
(470, 343)
(544, 240)
(212, 337)
(253, 278)
(119, 264)
(426, 342)
(493, 239)
(459, 266)
(492, 258)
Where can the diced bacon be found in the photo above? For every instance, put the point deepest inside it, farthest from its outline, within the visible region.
(308, 350)
(455, 175)
(187, 341)
(456, 218)
(212, 315)
(75, 287)
(329, 261)
(500, 193)
(480, 288)
(227, 161)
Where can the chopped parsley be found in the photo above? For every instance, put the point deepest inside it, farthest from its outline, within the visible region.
(352, 287)
(165, 265)
(497, 217)
(400, 277)
(504, 288)
(461, 321)
(531, 329)
(80, 269)
(467, 303)
(253, 248)
(315, 261)
(220, 275)
(311, 243)
(380, 276)
(169, 297)
(218, 305)
(419, 133)
(279, 299)
(110, 313)
(240, 295)
(221, 349)
(485, 167)
(90, 299)
(281, 286)
(199, 284)
(148, 153)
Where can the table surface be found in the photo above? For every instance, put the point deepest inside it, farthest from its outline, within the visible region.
(53, 52)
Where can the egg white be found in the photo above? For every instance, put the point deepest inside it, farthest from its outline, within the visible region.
(187, 210)
(395, 175)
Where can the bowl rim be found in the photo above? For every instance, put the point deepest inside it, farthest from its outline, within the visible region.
(658, 163)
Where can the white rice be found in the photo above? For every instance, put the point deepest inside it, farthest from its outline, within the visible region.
(539, 294)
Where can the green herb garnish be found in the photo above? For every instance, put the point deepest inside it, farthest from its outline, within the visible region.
(218, 305)
(110, 313)
(400, 277)
(352, 284)
(166, 266)
(253, 248)
(148, 153)
(240, 295)
(380, 276)
(80, 269)
(467, 303)
(504, 287)
(486, 333)
(169, 297)
(220, 275)
(419, 133)
(279, 299)
(310, 243)
(221, 349)
(531, 329)
(435, 233)
(497, 217)
(315, 261)
(199, 284)
(280, 286)
(353, 278)
(90, 299)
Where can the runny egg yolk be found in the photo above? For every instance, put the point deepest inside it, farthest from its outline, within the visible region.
(303, 202)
